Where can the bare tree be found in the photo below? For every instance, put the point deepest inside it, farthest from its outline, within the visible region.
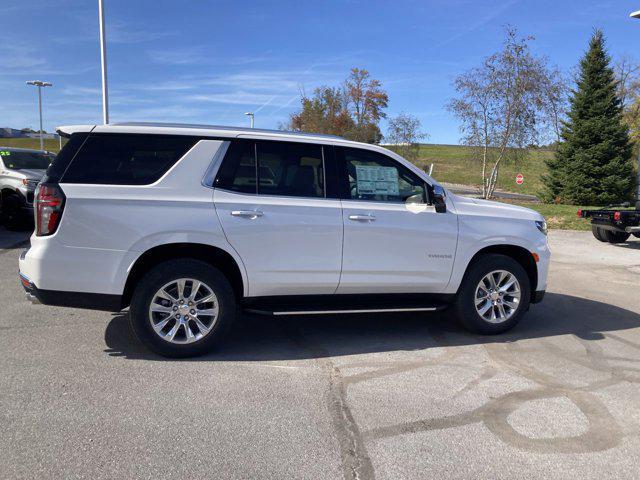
(403, 133)
(505, 104)
(628, 76)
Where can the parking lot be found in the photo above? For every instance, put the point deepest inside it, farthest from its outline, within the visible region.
(371, 396)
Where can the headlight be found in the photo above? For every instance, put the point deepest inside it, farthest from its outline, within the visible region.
(542, 226)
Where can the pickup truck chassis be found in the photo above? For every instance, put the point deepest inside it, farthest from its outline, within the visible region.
(613, 226)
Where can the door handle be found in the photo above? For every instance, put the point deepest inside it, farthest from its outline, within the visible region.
(362, 218)
(251, 214)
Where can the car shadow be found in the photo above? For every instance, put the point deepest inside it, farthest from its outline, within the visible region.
(263, 338)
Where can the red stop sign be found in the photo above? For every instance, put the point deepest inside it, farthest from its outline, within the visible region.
(519, 179)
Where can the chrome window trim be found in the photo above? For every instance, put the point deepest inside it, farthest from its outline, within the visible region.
(216, 161)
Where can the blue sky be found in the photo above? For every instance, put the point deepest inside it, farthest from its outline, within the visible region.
(211, 61)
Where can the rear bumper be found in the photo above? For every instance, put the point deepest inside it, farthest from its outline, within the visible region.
(90, 301)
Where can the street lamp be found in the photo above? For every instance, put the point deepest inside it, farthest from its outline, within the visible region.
(103, 63)
(40, 84)
(636, 14)
(250, 114)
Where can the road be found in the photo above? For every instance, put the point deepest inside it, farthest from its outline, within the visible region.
(372, 396)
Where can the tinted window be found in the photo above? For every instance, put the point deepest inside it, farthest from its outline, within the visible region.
(282, 168)
(290, 169)
(238, 170)
(376, 177)
(126, 159)
(64, 157)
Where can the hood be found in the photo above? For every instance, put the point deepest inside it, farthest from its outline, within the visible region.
(476, 206)
(32, 173)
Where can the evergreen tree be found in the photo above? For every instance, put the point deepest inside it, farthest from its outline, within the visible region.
(593, 163)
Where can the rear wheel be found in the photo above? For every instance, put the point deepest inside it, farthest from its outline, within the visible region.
(182, 308)
(494, 295)
(597, 232)
(614, 237)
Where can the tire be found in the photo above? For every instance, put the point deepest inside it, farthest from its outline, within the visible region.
(597, 232)
(615, 237)
(10, 212)
(465, 303)
(164, 277)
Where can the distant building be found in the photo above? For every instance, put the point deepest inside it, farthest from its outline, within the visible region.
(8, 132)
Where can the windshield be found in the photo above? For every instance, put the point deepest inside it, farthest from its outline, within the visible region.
(26, 160)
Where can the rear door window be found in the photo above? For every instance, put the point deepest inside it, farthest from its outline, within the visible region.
(290, 169)
(273, 168)
(126, 159)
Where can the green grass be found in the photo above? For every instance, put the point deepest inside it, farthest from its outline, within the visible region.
(562, 217)
(461, 164)
(49, 144)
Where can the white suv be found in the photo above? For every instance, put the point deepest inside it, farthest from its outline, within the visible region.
(186, 224)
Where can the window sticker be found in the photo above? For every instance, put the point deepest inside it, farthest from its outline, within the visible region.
(376, 180)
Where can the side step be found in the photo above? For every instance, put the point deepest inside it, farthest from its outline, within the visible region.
(344, 304)
(339, 312)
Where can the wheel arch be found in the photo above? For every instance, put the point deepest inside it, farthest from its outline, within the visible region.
(215, 256)
(520, 254)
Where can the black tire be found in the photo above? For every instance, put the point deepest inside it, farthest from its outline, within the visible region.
(597, 232)
(464, 305)
(164, 273)
(10, 212)
(615, 237)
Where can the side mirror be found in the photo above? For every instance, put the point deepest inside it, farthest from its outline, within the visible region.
(439, 199)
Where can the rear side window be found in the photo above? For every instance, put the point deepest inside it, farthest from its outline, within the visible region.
(126, 159)
(273, 168)
(64, 157)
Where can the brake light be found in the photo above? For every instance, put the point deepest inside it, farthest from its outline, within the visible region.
(48, 203)
(579, 213)
(616, 216)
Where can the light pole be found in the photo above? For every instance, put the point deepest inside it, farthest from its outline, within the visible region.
(250, 114)
(636, 14)
(103, 62)
(40, 84)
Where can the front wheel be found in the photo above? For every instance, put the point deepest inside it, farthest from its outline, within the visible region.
(494, 295)
(182, 308)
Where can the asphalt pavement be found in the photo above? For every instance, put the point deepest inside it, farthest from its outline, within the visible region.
(370, 396)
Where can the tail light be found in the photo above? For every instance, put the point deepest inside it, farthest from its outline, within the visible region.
(616, 216)
(48, 204)
(579, 213)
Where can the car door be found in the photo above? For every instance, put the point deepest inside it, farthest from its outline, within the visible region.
(271, 200)
(394, 240)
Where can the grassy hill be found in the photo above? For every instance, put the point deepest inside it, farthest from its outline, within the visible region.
(52, 145)
(461, 164)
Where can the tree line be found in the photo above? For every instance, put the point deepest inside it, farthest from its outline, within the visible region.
(513, 100)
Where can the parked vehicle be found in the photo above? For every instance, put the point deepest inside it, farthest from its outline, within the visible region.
(20, 171)
(614, 225)
(187, 224)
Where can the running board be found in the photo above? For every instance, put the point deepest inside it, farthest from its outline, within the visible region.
(340, 312)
